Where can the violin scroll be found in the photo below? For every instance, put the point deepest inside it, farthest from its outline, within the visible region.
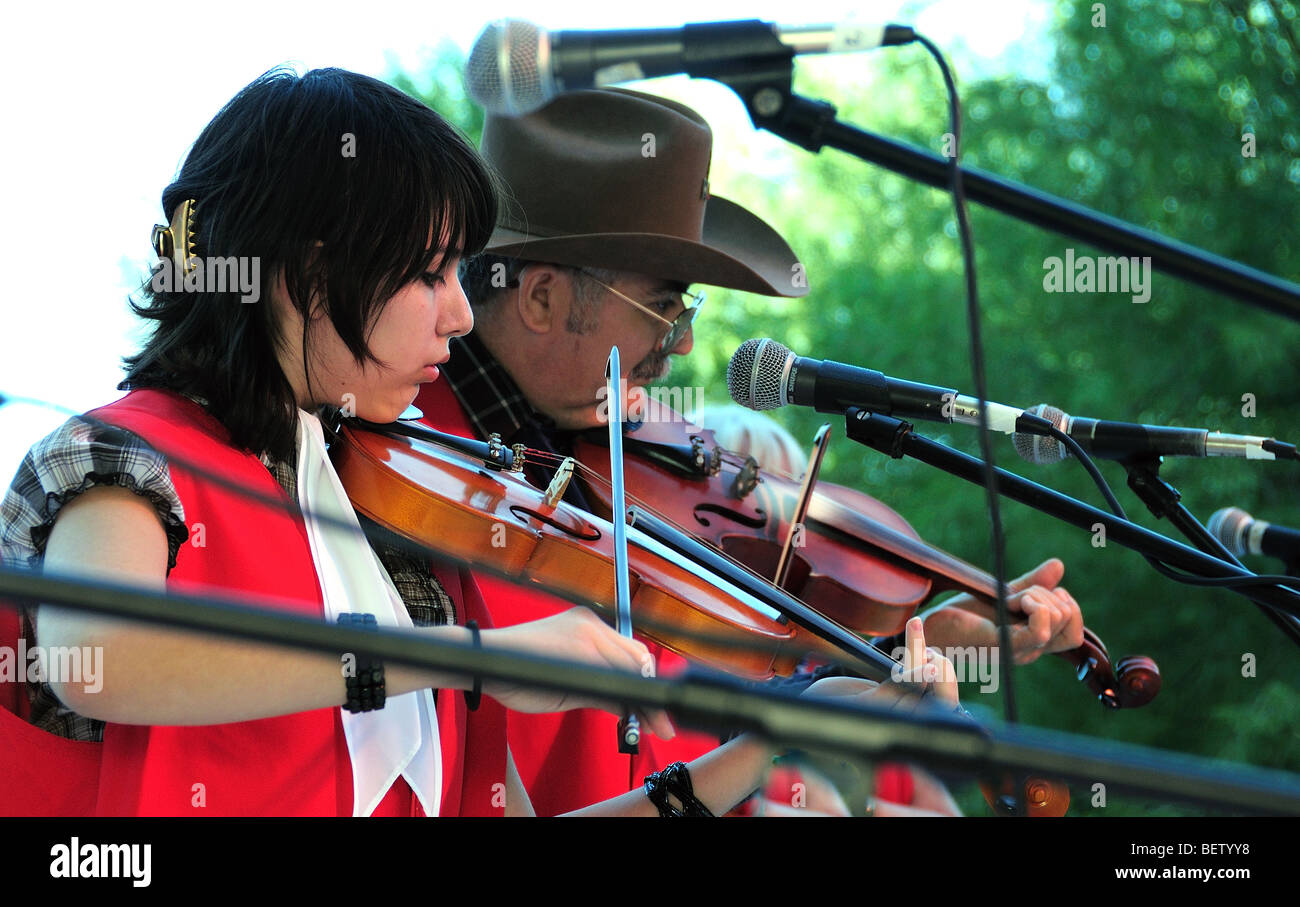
(1042, 798)
(1130, 684)
(1139, 680)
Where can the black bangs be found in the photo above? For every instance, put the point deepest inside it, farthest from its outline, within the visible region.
(344, 185)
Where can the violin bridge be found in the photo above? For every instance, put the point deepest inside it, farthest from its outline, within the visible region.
(559, 484)
(746, 480)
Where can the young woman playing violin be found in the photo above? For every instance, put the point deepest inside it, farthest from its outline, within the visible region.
(356, 203)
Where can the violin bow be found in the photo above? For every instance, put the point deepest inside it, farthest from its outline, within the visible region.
(629, 728)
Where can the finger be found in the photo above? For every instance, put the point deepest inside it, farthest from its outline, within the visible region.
(659, 723)
(1071, 636)
(620, 652)
(1064, 616)
(1061, 619)
(945, 686)
(631, 655)
(1049, 574)
(1037, 629)
(1046, 617)
(914, 643)
(831, 687)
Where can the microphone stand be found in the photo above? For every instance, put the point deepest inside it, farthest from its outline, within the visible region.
(896, 439)
(764, 83)
(710, 701)
(1164, 500)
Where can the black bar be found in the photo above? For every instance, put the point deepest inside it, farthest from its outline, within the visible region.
(812, 125)
(714, 702)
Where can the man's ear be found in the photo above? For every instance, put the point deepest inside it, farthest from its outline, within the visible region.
(543, 297)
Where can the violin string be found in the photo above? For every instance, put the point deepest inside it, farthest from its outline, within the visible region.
(593, 476)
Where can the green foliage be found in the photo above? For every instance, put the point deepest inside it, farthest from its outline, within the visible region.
(440, 82)
(1144, 120)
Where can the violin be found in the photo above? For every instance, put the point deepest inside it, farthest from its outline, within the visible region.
(855, 558)
(463, 498)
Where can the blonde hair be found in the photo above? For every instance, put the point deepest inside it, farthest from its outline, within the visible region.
(754, 434)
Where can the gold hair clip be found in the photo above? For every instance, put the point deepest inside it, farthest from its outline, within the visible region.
(164, 238)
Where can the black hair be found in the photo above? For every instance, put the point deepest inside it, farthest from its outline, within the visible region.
(338, 182)
(483, 276)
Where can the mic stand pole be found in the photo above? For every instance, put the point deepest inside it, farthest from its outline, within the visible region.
(896, 439)
(764, 84)
(1164, 500)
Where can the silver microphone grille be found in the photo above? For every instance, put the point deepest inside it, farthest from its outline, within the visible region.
(1039, 449)
(1229, 526)
(509, 68)
(756, 373)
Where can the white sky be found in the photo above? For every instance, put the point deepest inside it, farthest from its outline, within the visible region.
(101, 103)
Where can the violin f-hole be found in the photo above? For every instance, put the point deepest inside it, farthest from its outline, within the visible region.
(758, 521)
(525, 513)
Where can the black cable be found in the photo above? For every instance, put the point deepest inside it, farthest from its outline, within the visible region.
(998, 543)
(1090, 465)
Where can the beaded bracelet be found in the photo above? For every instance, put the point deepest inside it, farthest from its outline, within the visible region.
(675, 780)
(366, 690)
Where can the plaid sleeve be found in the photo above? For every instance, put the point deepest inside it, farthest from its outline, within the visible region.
(75, 458)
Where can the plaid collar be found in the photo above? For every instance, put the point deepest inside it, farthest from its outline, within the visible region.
(489, 396)
(494, 403)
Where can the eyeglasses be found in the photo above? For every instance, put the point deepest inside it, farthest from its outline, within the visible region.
(677, 328)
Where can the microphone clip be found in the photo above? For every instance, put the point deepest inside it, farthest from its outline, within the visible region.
(883, 433)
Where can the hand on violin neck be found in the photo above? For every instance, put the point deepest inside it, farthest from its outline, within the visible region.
(573, 635)
(1044, 617)
(924, 674)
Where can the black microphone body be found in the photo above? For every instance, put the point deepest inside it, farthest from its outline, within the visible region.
(833, 387)
(515, 67)
(1119, 440)
(704, 49)
(1129, 440)
(764, 374)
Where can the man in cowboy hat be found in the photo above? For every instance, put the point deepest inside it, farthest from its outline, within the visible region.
(607, 220)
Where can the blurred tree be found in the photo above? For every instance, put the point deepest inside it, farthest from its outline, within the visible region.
(1177, 117)
(440, 82)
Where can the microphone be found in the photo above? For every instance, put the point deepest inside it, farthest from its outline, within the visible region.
(763, 374)
(1122, 440)
(516, 67)
(1242, 534)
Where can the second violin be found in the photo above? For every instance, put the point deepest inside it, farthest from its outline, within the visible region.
(856, 560)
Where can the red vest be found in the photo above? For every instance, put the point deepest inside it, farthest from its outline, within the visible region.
(292, 765)
(570, 759)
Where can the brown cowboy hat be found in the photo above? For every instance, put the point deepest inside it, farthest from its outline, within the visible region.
(617, 179)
